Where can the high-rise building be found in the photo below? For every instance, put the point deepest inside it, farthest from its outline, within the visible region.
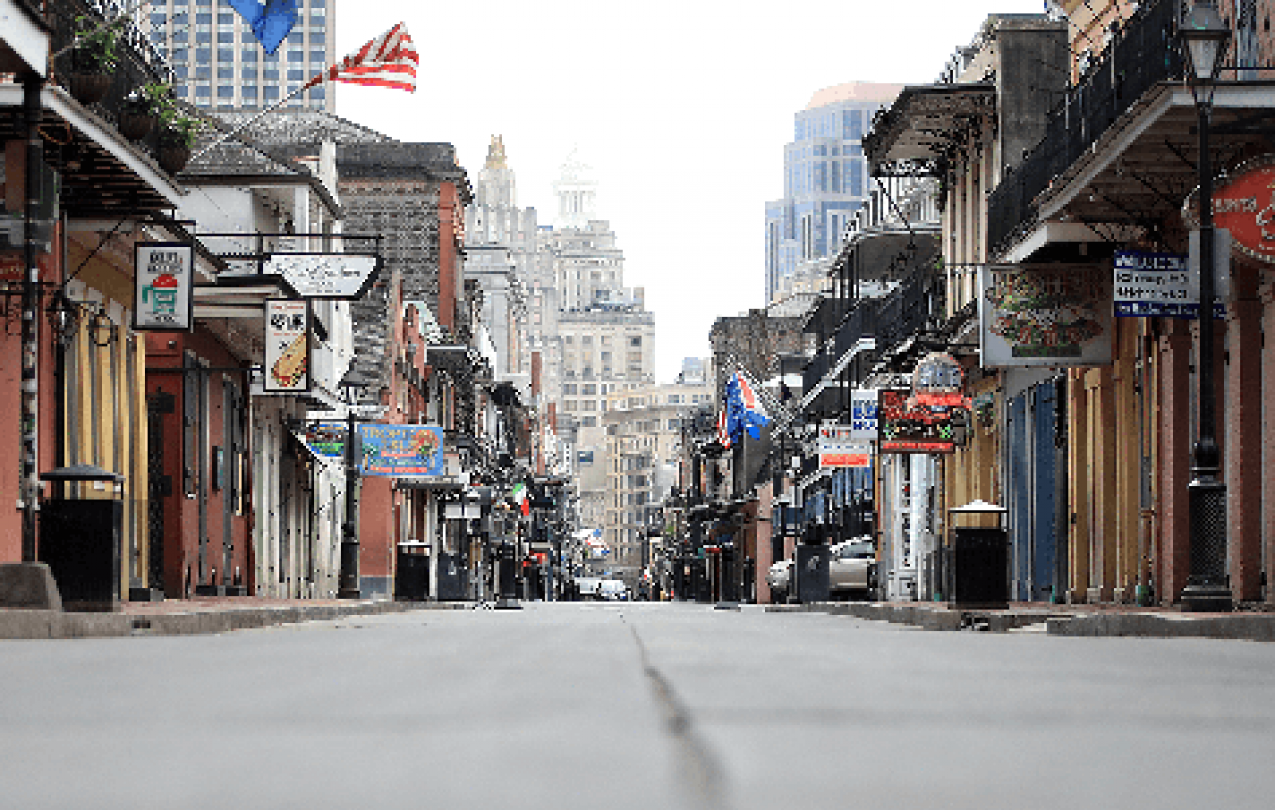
(825, 180)
(218, 63)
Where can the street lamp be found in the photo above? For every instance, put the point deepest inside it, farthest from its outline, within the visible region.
(1205, 37)
(348, 584)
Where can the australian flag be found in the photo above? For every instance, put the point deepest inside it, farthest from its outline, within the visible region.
(271, 21)
(743, 410)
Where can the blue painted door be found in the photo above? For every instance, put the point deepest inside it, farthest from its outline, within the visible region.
(1018, 487)
(1044, 470)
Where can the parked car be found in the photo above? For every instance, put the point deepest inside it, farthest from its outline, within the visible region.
(852, 568)
(587, 588)
(613, 590)
(778, 578)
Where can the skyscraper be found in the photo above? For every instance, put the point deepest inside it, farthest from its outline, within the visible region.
(825, 179)
(217, 62)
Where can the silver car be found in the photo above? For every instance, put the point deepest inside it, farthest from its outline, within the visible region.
(852, 568)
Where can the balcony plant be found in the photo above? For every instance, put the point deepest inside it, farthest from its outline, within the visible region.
(92, 60)
(141, 110)
(176, 138)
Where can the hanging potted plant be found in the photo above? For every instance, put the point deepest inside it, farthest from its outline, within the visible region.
(141, 109)
(176, 138)
(93, 60)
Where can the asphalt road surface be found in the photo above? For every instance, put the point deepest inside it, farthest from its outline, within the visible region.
(612, 706)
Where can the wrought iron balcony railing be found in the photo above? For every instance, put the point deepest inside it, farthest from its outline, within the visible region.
(1141, 55)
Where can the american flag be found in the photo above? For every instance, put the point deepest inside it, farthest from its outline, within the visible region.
(388, 61)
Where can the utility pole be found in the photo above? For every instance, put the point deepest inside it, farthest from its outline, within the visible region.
(348, 586)
(29, 414)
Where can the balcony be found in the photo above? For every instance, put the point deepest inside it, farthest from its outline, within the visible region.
(1139, 58)
(103, 174)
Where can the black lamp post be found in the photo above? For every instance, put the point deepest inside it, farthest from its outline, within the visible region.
(1205, 37)
(348, 583)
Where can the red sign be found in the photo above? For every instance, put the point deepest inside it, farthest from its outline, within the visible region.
(1244, 204)
(908, 426)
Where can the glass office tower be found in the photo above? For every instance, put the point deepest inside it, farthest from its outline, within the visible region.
(218, 63)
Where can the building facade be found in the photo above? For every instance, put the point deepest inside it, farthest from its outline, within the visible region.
(825, 180)
(217, 63)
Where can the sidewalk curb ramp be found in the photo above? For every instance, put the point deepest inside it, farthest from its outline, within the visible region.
(53, 624)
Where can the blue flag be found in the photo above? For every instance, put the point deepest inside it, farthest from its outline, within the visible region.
(744, 410)
(271, 21)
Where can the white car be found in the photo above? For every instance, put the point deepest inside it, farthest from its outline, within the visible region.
(778, 578)
(613, 590)
(852, 567)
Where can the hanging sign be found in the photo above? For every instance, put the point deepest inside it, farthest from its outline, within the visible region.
(402, 451)
(1153, 284)
(287, 363)
(908, 426)
(326, 439)
(1056, 315)
(839, 448)
(863, 414)
(1244, 204)
(164, 289)
(324, 275)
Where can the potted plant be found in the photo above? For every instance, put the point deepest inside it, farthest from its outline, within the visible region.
(140, 110)
(176, 138)
(92, 60)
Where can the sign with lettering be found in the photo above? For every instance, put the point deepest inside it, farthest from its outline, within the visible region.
(863, 414)
(839, 448)
(1153, 284)
(324, 275)
(1244, 204)
(909, 426)
(164, 289)
(287, 361)
(1052, 315)
(402, 451)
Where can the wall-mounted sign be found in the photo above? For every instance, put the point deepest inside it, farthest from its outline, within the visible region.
(839, 448)
(324, 275)
(1153, 284)
(403, 451)
(287, 367)
(907, 426)
(164, 289)
(326, 439)
(863, 414)
(1244, 204)
(1057, 315)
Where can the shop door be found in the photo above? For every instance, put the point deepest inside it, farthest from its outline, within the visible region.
(1044, 476)
(1020, 501)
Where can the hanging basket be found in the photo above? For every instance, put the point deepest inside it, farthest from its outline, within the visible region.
(89, 88)
(173, 157)
(136, 126)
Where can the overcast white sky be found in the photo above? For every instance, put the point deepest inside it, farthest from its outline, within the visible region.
(682, 107)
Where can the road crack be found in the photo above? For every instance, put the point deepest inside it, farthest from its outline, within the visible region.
(699, 769)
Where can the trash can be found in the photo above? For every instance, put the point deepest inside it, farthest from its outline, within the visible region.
(80, 538)
(411, 573)
(810, 573)
(453, 585)
(977, 564)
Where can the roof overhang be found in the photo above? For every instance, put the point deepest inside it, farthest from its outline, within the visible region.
(920, 128)
(24, 46)
(111, 178)
(1141, 170)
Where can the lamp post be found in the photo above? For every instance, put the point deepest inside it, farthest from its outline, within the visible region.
(348, 584)
(1205, 37)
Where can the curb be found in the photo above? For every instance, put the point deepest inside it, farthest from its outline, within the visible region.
(52, 624)
(1238, 627)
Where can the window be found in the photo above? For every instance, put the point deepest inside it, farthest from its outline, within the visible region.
(203, 72)
(226, 91)
(589, 421)
(249, 91)
(295, 56)
(203, 18)
(225, 72)
(296, 75)
(296, 38)
(318, 57)
(248, 55)
(226, 37)
(158, 19)
(203, 91)
(203, 37)
(249, 73)
(635, 341)
(226, 18)
(225, 55)
(270, 93)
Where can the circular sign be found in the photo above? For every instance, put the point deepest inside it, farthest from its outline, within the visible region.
(1244, 204)
(938, 373)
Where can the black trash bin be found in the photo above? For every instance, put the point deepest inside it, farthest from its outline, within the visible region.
(80, 538)
(810, 573)
(977, 565)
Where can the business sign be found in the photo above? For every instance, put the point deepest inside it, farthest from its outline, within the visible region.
(839, 448)
(1057, 315)
(402, 451)
(164, 286)
(1244, 204)
(908, 426)
(326, 439)
(1153, 285)
(324, 275)
(287, 346)
(863, 414)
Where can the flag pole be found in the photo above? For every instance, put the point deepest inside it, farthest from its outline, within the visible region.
(236, 130)
(123, 15)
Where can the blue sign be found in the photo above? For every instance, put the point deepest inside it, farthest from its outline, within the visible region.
(402, 451)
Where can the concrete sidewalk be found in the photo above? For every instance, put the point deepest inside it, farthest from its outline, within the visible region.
(1059, 620)
(192, 616)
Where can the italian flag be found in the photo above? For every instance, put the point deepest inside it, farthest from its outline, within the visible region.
(519, 495)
